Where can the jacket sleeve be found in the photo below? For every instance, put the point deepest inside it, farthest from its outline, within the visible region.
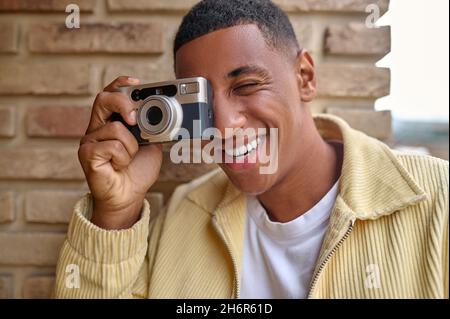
(98, 263)
(445, 262)
(445, 253)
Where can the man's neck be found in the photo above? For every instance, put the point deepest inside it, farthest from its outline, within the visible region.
(314, 174)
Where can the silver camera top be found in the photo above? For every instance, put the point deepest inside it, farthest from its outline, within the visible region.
(187, 90)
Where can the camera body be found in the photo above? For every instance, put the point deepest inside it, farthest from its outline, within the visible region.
(164, 108)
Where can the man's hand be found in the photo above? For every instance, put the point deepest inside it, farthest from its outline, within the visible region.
(118, 172)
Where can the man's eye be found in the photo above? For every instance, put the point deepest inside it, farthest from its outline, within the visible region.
(245, 86)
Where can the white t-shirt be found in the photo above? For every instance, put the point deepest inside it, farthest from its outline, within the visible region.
(279, 258)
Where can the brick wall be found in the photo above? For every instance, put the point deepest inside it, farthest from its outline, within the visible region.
(49, 76)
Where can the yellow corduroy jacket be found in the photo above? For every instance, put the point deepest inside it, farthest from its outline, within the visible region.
(387, 237)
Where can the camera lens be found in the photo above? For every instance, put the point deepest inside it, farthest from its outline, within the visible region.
(154, 115)
(159, 118)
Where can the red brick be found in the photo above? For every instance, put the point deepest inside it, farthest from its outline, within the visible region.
(7, 207)
(7, 121)
(57, 121)
(51, 206)
(36, 249)
(377, 124)
(97, 38)
(154, 5)
(330, 5)
(303, 31)
(349, 80)
(62, 164)
(9, 35)
(44, 5)
(6, 287)
(47, 78)
(38, 287)
(357, 39)
(287, 5)
(40, 163)
(148, 72)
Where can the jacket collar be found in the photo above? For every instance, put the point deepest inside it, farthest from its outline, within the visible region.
(373, 182)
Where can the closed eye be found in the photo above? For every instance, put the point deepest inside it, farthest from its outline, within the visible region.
(245, 86)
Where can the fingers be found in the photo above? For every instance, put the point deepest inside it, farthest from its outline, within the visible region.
(119, 82)
(113, 131)
(110, 101)
(94, 156)
(111, 141)
(107, 103)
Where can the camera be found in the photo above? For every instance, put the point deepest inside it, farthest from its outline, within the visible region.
(164, 108)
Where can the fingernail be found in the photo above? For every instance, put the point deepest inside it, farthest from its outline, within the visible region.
(133, 116)
(133, 80)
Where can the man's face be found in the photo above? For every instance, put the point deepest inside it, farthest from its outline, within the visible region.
(254, 86)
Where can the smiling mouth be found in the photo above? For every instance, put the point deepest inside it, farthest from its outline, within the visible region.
(244, 150)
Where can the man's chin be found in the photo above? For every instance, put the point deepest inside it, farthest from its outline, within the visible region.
(250, 182)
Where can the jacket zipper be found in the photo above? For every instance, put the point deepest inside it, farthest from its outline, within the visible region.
(222, 236)
(322, 265)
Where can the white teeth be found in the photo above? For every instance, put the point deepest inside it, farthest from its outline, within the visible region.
(244, 149)
(229, 152)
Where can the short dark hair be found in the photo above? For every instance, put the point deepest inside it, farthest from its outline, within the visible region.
(211, 15)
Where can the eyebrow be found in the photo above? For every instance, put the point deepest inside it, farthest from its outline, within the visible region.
(248, 69)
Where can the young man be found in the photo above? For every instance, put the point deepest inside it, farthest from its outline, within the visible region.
(343, 216)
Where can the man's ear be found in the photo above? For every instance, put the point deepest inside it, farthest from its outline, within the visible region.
(306, 76)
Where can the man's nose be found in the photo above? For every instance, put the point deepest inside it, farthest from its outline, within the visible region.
(228, 114)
